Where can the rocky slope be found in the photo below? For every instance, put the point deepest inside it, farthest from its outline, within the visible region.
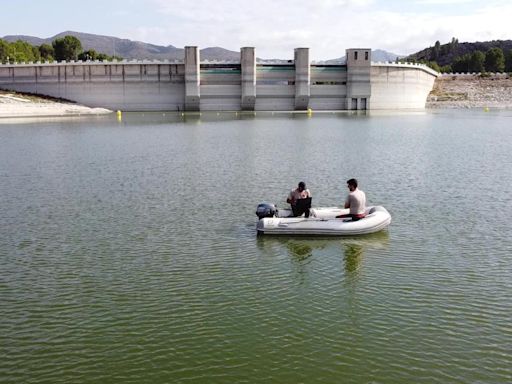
(471, 91)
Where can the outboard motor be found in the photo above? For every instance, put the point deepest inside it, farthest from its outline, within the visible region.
(266, 210)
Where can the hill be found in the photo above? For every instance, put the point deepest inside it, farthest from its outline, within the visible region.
(446, 54)
(377, 55)
(129, 49)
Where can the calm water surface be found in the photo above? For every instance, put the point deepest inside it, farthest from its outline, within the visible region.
(128, 251)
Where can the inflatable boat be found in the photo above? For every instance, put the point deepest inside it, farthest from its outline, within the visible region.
(321, 221)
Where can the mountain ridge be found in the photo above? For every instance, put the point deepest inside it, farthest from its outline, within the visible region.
(133, 49)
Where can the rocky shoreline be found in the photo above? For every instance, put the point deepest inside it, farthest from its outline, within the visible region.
(471, 91)
(449, 91)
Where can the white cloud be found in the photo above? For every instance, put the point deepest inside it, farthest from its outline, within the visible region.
(442, 2)
(328, 27)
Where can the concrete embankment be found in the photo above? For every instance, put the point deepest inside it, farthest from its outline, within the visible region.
(246, 85)
(22, 105)
(471, 91)
(449, 91)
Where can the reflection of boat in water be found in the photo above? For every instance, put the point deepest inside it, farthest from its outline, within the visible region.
(321, 221)
(306, 245)
(353, 256)
(306, 248)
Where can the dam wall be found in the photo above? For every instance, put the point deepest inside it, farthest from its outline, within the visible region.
(192, 85)
(404, 85)
(127, 86)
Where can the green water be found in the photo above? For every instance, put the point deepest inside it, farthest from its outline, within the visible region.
(128, 251)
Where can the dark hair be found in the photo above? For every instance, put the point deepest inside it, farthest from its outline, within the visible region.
(352, 182)
(302, 185)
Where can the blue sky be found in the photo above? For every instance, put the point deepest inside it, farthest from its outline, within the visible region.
(274, 27)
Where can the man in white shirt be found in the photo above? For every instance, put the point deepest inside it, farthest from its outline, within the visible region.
(298, 194)
(356, 201)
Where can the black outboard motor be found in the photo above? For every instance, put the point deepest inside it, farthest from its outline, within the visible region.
(266, 210)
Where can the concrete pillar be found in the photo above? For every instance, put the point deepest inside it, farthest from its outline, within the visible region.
(192, 79)
(248, 67)
(358, 78)
(302, 78)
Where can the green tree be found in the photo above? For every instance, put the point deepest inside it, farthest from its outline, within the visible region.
(508, 61)
(461, 64)
(21, 51)
(46, 51)
(434, 66)
(90, 54)
(495, 60)
(453, 44)
(104, 57)
(36, 53)
(67, 48)
(436, 51)
(4, 51)
(476, 61)
(446, 69)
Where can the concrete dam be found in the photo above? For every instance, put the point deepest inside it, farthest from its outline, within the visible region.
(192, 85)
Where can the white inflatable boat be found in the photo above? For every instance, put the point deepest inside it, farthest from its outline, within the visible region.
(321, 221)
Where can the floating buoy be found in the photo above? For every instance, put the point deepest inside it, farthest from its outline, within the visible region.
(486, 109)
(119, 115)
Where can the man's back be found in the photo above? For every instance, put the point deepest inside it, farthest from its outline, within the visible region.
(357, 202)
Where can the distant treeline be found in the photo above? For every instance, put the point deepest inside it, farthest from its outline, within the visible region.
(62, 49)
(479, 57)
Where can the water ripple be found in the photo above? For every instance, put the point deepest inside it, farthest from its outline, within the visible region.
(130, 255)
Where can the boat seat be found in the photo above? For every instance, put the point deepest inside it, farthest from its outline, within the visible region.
(302, 206)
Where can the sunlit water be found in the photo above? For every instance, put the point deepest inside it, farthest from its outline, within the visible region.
(128, 251)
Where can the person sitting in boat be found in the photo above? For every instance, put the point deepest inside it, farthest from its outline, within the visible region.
(356, 202)
(300, 200)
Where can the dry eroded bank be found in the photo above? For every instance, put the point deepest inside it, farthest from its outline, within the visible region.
(471, 91)
(21, 105)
